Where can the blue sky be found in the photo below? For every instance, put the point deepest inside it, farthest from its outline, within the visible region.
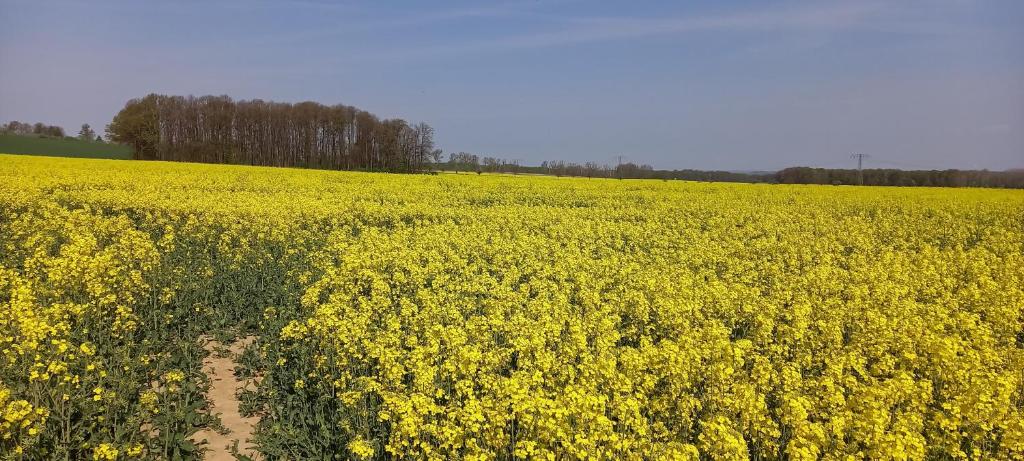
(714, 85)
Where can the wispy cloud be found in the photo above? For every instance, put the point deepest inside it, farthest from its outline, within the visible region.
(570, 31)
(810, 16)
(411, 20)
(576, 31)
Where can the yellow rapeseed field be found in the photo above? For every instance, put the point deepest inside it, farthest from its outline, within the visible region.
(501, 317)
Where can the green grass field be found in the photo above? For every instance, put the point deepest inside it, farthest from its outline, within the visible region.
(34, 145)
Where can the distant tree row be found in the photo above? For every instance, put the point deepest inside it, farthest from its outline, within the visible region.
(803, 175)
(588, 169)
(464, 161)
(891, 177)
(217, 129)
(461, 161)
(38, 128)
(50, 131)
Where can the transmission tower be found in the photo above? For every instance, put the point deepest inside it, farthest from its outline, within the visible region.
(860, 166)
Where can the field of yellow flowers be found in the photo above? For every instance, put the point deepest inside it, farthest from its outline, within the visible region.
(502, 317)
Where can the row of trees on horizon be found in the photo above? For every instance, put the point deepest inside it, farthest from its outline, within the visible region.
(1011, 179)
(47, 131)
(217, 129)
(464, 161)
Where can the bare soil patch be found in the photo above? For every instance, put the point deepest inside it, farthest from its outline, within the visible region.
(219, 365)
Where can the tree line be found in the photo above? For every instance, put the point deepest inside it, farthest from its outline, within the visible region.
(1013, 179)
(217, 129)
(48, 131)
(464, 161)
(38, 129)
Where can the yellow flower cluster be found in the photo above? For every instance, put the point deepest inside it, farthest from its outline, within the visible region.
(501, 317)
(20, 422)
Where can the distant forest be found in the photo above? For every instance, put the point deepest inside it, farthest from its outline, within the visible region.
(36, 129)
(1014, 179)
(217, 129)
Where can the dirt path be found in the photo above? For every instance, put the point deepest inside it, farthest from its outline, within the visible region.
(223, 386)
